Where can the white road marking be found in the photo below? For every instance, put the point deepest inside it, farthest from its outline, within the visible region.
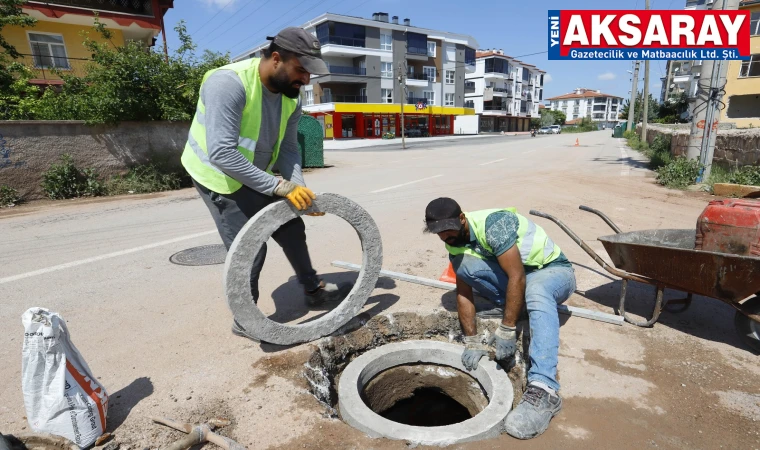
(626, 169)
(491, 162)
(404, 184)
(80, 262)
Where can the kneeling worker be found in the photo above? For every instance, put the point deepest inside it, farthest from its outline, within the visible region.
(512, 262)
(245, 125)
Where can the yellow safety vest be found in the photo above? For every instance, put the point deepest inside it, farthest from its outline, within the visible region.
(195, 156)
(536, 247)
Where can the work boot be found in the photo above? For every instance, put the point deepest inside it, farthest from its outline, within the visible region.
(493, 313)
(532, 415)
(327, 293)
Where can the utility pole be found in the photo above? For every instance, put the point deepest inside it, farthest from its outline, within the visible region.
(706, 112)
(634, 94)
(645, 110)
(668, 78)
(402, 88)
(163, 35)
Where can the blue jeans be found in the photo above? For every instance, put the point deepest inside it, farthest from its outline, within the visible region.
(544, 290)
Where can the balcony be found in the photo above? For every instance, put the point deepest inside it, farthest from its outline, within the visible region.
(344, 99)
(339, 40)
(469, 87)
(50, 69)
(344, 70)
(418, 51)
(418, 79)
(136, 7)
(415, 100)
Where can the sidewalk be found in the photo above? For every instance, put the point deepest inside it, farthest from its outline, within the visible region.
(347, 144)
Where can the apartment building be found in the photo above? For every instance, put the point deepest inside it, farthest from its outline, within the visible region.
(742, 95)
(582, 102)
(55, 42)
(505, 93)
(362, 94)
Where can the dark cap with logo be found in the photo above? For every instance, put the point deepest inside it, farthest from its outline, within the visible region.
(305, 46)
(442, 214)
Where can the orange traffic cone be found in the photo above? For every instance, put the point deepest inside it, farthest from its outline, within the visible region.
(448, 275)
(576, 142)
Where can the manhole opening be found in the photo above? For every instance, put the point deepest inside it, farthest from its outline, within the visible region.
(425, 395)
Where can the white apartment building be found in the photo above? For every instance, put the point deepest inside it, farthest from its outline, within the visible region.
(582, 102)
(505, 93)
(361, 96)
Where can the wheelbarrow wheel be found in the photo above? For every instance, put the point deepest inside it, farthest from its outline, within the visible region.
(748, 329)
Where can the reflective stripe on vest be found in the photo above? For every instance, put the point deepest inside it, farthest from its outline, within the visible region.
(195, 156)
(536, 247)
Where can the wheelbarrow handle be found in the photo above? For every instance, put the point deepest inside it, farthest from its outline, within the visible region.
(603, 216)
(590, 251)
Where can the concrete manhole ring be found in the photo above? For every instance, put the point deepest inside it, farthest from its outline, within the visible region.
(487, 424)
(205, 255)
(237, 270)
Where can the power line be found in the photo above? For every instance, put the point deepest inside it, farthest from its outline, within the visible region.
(231, 26)
(243, 42)
(214, 16)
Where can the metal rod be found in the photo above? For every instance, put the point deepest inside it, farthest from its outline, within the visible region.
(603, 216)
(562, 309)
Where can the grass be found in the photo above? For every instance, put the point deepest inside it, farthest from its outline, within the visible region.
(145, 179)
(674, 173)
(747, 175)
(8, 196)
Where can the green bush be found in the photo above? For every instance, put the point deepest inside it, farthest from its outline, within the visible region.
(658, 153)
(748, 175)
(679, 173)
(8, 196)
(146, 178)
(66, 180)
(628, 134)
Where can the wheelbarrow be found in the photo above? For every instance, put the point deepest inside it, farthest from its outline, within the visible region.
(666, 259)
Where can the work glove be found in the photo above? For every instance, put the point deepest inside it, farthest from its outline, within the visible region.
(504, 341)
(299, 196)
(474, 349)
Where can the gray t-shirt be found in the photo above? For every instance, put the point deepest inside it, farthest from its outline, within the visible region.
(224, 97)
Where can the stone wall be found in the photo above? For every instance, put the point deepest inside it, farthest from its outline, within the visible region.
(28, 148)
(733, 147)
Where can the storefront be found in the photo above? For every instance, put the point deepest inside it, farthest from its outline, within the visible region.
(496, 124)
(357, 120)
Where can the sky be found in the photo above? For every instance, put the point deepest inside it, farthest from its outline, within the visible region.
(519, 29)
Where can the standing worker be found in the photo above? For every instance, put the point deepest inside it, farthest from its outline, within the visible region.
(512, 262)
(246, 125)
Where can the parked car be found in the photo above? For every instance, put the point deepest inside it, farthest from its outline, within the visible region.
(544, 130)
(556, 129)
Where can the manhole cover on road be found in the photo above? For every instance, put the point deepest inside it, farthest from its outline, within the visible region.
(205, 255)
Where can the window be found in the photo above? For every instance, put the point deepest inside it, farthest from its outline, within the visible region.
(416, 44)
(754, 23)
(326, 95)
(431, 49)
(750, 68)
(469, 56)
(450, 77)
(309, 97)
(430, 96)
(386, 70)
(386, 41)
(469, 104)
(449, 100)
(48, 51)
(341, 34)
(386, 96)
(429, 72)
(497, 65)
(451, 53)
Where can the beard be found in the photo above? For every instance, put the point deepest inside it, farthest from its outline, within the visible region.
(460, 240)
(285, 86)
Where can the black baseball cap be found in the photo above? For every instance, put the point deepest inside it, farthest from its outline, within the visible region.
(442, 214)
(305, 46)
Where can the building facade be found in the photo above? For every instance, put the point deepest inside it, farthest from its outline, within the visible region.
(505, 92)
(362, 95)
(603, 109)
(54, 44)
(742, 95)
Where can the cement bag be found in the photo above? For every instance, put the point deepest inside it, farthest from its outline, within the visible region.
(61, 395)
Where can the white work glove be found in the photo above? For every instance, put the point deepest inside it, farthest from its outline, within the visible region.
(504, 341)
(474, 349)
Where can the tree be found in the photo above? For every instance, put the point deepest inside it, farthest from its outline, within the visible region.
(12, 14)
(672, 108)
(652, 112)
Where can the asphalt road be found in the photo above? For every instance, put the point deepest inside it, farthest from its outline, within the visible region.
(155, 332)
